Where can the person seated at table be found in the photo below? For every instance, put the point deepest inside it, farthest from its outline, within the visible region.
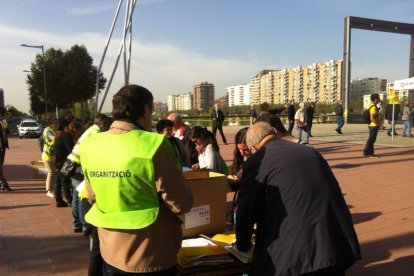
(165, 127)
(240, 154)
(208, 150)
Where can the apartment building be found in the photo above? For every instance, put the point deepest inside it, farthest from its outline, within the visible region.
(203, 96)
(179, 102)
(262, 87)
(359, 88)
(160, 107)
(317, 82)
(239, 94)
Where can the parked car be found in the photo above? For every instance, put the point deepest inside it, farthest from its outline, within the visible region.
(29, 128)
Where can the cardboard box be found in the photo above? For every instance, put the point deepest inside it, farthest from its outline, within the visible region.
(208, 215)
(38, 169)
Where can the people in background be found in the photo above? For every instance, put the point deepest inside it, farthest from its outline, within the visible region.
(303, 225)
(48, 146)
(165, 127)
(310, 111)
(276, 123)
(218, 118)
(291, 115)
(183, 132)
(339, 111)
(390, 114)
(265, 108)
(252, 114)
(301, 124)
(63, 145)
(4, 145)
(407, 118)
(373, 127)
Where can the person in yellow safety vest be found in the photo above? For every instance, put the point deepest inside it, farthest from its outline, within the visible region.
(80, 204)
(48, 144)
(137, 189)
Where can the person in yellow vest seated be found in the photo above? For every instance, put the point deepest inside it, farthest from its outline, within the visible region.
(137, 189)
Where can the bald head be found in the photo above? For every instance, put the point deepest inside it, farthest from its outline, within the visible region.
(256, 134)
(176, 119)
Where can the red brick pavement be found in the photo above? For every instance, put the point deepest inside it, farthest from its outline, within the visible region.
(36, 237)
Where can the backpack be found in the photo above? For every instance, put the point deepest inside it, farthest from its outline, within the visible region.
(366, 116)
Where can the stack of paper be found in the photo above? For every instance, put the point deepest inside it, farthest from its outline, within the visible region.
(228, 239)
(201, 252)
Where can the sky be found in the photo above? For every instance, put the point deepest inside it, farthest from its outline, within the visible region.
(180, 43)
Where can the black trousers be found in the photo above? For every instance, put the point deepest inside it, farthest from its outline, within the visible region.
(219, 126)
(2, 156)
(291, 125)
(369, 146)
(95, 259)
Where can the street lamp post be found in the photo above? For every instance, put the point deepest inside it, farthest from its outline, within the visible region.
(44, 71)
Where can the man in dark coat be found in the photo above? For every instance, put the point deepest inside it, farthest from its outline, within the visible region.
(218, 118)
(309, 114)
(303, 222)
(291, 115)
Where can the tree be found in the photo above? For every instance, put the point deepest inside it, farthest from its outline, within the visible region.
(70, 79)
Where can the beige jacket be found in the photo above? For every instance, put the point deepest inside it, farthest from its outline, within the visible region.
(153, 248)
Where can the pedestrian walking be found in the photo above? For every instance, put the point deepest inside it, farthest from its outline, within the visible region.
(407, 118)
(373, 127)
(291, 115)
(218, 118)
(310, 112)
(252, 114)
(301, 125)
(339, 111)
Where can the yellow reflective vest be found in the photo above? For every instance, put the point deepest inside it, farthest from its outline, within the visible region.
(121, 172)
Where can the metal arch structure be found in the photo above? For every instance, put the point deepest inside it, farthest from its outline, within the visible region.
(127, 32)
(368, 24)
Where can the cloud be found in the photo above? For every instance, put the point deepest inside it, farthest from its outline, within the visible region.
(163, 68)
(89, 9)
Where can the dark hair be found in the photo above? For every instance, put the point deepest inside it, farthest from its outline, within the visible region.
(51, 122)
(374, 96)
(129, 103)
(274, 121)
(263, 106)
(74, 128)
(104, 120)
(238, 161)
(163, 124)
(204, 134)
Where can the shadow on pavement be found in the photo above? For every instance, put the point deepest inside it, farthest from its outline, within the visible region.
(376, 252)
(22, 206)
(363, 217)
